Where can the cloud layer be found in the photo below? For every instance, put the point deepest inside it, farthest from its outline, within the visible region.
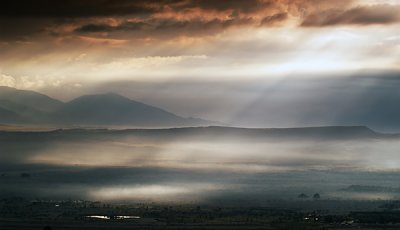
(364, 15)
(172, 18)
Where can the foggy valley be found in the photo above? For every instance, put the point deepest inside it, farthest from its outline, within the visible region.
(199, 114)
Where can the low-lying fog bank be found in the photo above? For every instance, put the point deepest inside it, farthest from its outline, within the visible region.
(201, 165)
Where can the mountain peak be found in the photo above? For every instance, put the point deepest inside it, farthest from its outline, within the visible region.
(101, 96)
(28, 99)
(113, 109)
(107, 109)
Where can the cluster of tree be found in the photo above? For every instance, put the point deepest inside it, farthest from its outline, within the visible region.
(305, 196)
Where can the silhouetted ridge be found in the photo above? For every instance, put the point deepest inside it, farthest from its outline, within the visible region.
(110, 109)
(113, 109)
(304, 132)
(30, 99)
(220, 132)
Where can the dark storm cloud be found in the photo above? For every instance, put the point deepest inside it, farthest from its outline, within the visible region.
(93, 28)
(45, 17)
(21, 28)
(72, 8)
(164, 28)
(22, 19)
(366, 15)
(276, 18)
(93, 8)
(170, 18)
(247, 6)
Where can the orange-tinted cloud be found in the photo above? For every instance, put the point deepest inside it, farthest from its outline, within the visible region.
(163, 19)
(274, 19)
(363, 15)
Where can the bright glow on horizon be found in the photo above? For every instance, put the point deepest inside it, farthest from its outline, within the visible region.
(260, 53)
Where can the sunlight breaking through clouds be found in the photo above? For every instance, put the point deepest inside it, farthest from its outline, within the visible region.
(156, 192)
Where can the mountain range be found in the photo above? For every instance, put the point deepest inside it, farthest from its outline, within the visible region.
(29, 107)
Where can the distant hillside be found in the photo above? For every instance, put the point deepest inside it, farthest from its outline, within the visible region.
(328, 133)
(370, 188)
(113, 109)
(303, 132)
(29, 107)
(8, 116)
(26, 99)
(214, 133)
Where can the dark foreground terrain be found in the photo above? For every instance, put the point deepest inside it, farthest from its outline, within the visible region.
(18, 213)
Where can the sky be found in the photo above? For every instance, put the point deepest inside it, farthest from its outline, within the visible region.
(270, 63)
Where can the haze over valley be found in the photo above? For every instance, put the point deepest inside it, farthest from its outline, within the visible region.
(199, 114)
